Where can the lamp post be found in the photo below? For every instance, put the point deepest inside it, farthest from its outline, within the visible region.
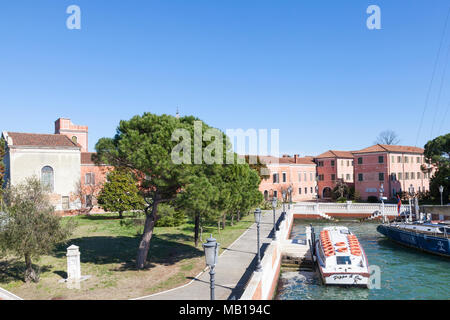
(211, 248)
(382, 202)
(258, 221)
(411, 194)
(441, 190)
(290, 197)
(284, 200)
(274, 206)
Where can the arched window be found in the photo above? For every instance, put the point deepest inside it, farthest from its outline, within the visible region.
(75, 139)
(47, 178)
(266, 195)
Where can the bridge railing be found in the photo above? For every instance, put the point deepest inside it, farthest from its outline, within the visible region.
(366, 208)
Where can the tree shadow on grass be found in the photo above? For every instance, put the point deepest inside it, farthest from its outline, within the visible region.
(165, 249)
(14, 270)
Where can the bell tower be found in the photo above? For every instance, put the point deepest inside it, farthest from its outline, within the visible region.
(78, 134)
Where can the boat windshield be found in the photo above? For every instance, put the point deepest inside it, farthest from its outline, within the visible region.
(343, 260)
(344, 231)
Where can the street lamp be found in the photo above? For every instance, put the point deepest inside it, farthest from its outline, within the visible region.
(411, 194)
(441, 190)
(382, 201)
(274, 206)
(258, 221)
(284, 200)
(211, 248)
(290, 197)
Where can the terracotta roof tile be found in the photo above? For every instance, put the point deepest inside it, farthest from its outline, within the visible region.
(336, 154)
(41, 140)
(86, 158)
(390, 148)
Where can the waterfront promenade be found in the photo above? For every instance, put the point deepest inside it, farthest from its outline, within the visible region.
(234, 269)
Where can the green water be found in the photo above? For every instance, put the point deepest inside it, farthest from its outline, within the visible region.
(405, 273)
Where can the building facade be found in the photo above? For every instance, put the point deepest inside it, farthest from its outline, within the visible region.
(60, 161)
(295, 172)
(397, 168)
(333, 166)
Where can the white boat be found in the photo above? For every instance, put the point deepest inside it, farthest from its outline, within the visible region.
(341, 258)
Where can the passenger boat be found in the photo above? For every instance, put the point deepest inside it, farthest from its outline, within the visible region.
(422, 235)
(340, 258)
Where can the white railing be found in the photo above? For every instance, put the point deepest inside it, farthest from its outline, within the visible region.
(350, 208)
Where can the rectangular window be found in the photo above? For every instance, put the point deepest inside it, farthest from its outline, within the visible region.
(89, 179)
(393, 177)
(306, 190)
(284, 176)
(360, 177)
(399, 159)
(304, 175)
(400, 176)
(406, 175)
(299, 190)
(299, 176)
(381, 176)
(65, 203)
(310, 176)
(342, 162)
(332, 163)
(89, 201)
(311, 190)
(406, 159)
(418, 175)
(276, 178)
(413, 175)
(347, 177)
(275, 194)
(380, 159)
(348, 163)
(360, 161)
(418, 159)
(333, 177)
(393, 159)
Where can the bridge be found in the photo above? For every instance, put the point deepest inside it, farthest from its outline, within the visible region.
(311, 210)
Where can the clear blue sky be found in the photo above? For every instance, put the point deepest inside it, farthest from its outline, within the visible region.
(310, 68)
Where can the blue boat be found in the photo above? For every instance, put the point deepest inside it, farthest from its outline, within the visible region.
(429, 237)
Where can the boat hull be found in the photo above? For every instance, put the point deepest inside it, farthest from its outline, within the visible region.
(424, 242)
(345, 279)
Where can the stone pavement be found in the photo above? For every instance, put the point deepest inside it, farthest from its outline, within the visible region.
(235, 267)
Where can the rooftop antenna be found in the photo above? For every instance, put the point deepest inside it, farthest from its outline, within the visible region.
(177, 114)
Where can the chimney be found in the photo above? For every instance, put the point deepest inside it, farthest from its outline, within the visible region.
(296, 156)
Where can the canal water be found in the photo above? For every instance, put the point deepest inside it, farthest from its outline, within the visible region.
(405, 273)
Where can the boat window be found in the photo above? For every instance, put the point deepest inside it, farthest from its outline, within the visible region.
(343, 231)
(343, 260)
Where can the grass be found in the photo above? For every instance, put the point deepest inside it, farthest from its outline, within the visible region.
(108, 247)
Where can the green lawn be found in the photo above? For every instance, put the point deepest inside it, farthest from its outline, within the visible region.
(108, 247)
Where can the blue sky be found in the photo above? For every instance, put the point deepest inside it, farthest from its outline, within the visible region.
(310, 68)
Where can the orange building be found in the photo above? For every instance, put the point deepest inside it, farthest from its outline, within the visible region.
(333, 166)
(296, 172)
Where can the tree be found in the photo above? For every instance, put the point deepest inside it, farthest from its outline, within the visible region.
(144, 144)
(82, 191)
(387, 137)
(437, 153)
(120, 193)
(2, 164)
(341, 190)
(29, 227)
(260, 167)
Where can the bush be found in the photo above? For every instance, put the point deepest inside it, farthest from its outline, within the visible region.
(341, 200)
(267, 205)
(169, 216)
(372, 199)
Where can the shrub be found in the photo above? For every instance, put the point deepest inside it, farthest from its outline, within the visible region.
(169, 216)
(372, 199)
(341, 200)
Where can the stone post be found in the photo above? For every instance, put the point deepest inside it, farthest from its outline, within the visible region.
(73, 263)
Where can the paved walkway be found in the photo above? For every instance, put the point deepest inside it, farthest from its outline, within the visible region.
(234, 269)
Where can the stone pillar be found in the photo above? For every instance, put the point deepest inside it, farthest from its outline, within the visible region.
(73, 263)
